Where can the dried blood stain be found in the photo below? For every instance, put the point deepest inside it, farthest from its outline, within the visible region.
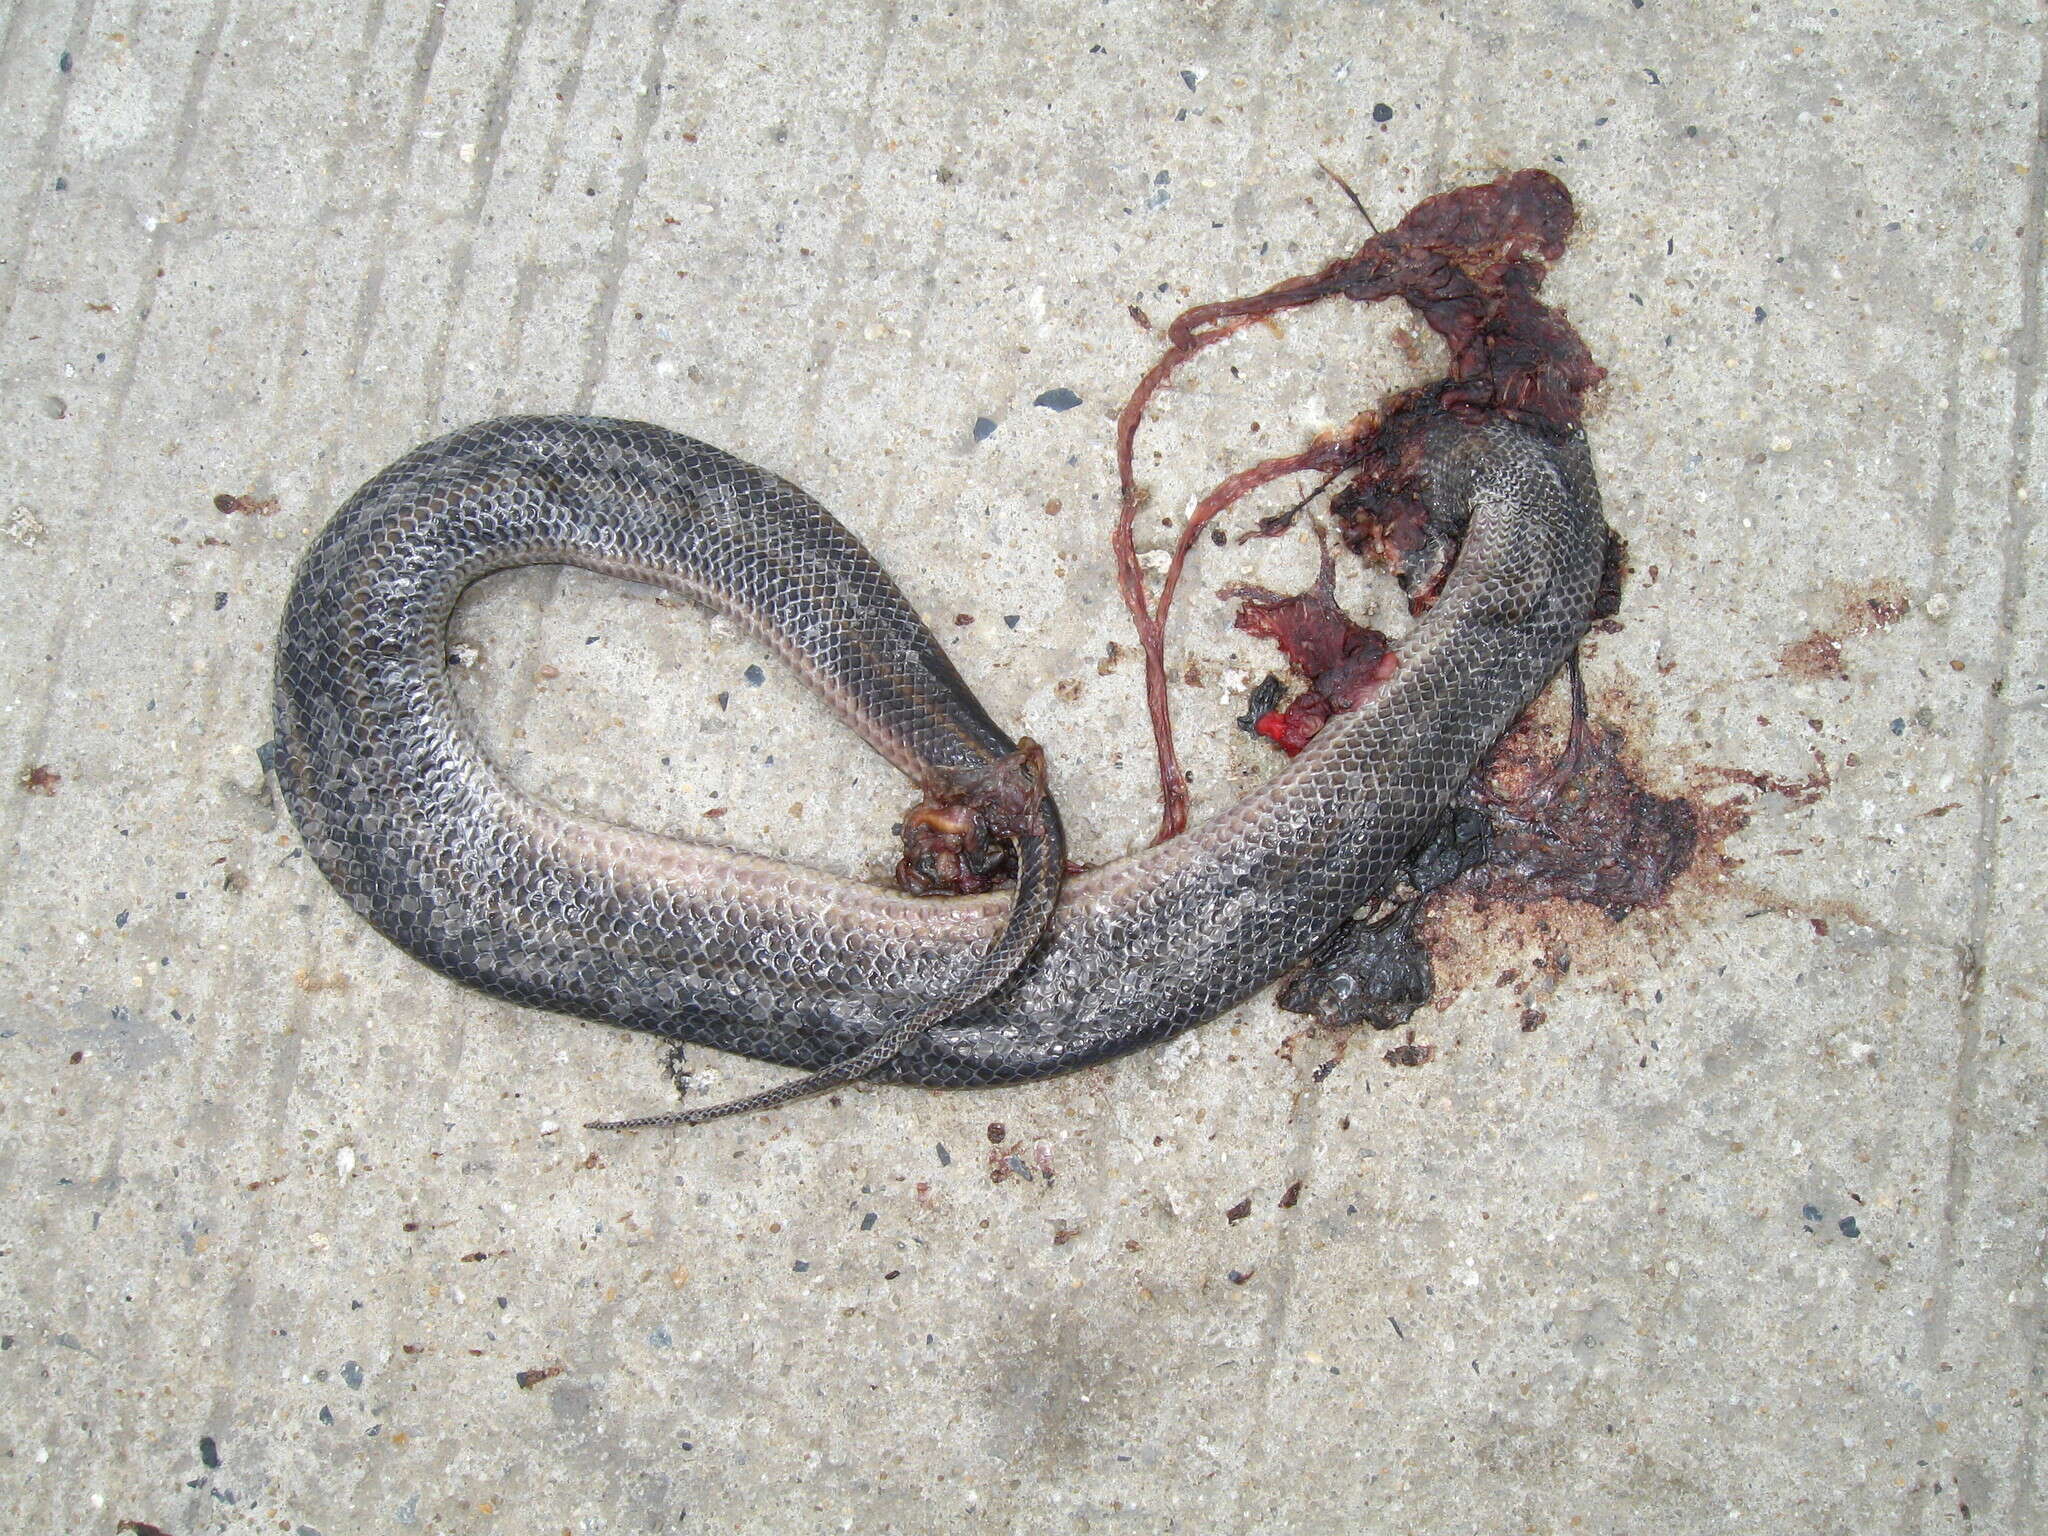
(1818, 657)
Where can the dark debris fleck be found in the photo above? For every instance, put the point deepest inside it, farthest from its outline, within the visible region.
(1410, 1054)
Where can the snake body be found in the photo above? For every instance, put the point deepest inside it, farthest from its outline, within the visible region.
(399, 807)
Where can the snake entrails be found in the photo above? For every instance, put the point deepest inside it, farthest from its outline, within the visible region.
(401, 809)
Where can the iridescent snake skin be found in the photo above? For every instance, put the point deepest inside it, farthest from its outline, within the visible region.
(401, 810)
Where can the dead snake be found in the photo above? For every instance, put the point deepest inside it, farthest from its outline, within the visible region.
(399, 807)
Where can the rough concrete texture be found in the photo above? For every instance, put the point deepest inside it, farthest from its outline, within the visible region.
(1747, 1236)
